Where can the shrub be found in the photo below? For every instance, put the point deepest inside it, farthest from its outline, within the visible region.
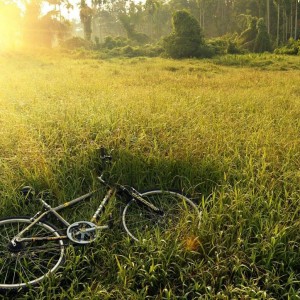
(262, 41)
(233, 48)
(206, 51)
(151, 50)
(186, 38)
(132, 33)
(131, 51)
(119, 41)
(139, 37)
(247, 38)
(219, 45)
(291, 48)
(224, 44)
(181, 46)
(75, 43)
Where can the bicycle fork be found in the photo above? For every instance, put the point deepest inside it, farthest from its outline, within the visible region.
(111, 192)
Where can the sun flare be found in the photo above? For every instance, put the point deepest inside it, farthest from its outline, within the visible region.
(10, 21)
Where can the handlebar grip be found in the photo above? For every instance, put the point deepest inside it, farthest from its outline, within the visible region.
(103, 155)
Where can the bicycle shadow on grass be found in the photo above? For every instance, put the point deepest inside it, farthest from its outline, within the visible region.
(195, 178)
(192, 177)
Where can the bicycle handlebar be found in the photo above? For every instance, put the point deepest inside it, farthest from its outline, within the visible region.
(103, 155)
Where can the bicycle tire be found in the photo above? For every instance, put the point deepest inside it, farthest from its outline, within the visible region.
(181, 216)
(30, 262)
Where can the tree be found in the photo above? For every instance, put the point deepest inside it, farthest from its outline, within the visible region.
(161, 19)
(151, 7)
(268, 15)
(262, 40)
(186, 39)
(132, 34)
(52, 28)
(86, 14)
(42, 30)
(248, 36)
(296, 19)
(277, 2)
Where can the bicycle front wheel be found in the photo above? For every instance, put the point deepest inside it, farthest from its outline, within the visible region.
(180, 216)
(27, 263)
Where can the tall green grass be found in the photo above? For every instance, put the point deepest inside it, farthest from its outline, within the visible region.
(224, 131)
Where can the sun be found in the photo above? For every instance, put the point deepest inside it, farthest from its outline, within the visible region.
(11, 13)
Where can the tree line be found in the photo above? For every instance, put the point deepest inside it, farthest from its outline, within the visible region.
(150, 21)
(216, 17)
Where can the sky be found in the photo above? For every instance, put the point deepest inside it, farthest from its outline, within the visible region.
(72, 14)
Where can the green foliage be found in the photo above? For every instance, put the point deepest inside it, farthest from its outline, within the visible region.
(219, 45)
(75, 43)
(86, 14)
(140, 37)
(250, 33)
(147, 50)
(181, 46)
(255, 38)
(120, 46)
(262, 41)
(114, 42)
(291, 48)
(152, 18)
(132, 34)
(112, 47)
(259, 61)
(130, 51)
(247, 38)
(224, 45)
(186, 39)
(233, 48)
(184, 24)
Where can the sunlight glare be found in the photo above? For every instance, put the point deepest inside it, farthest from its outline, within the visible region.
(10, 22)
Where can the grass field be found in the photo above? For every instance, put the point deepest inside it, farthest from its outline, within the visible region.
(225, 131)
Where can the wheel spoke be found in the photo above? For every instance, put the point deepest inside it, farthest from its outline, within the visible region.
(7, 235)
(13, 280)
(7, 271)
(180, 215)
(24, 272)
(3, 265)
(39, 266)
(27, 261)
(28, 271)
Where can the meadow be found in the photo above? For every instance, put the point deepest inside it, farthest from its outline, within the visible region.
(224, 131)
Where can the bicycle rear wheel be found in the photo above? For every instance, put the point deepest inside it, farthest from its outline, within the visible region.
(27, 263)
(180, 216)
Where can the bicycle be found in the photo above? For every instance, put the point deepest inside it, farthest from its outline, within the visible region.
(31, 248)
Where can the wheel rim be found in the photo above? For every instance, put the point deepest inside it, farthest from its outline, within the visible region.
(29, 262)
(181, 215)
